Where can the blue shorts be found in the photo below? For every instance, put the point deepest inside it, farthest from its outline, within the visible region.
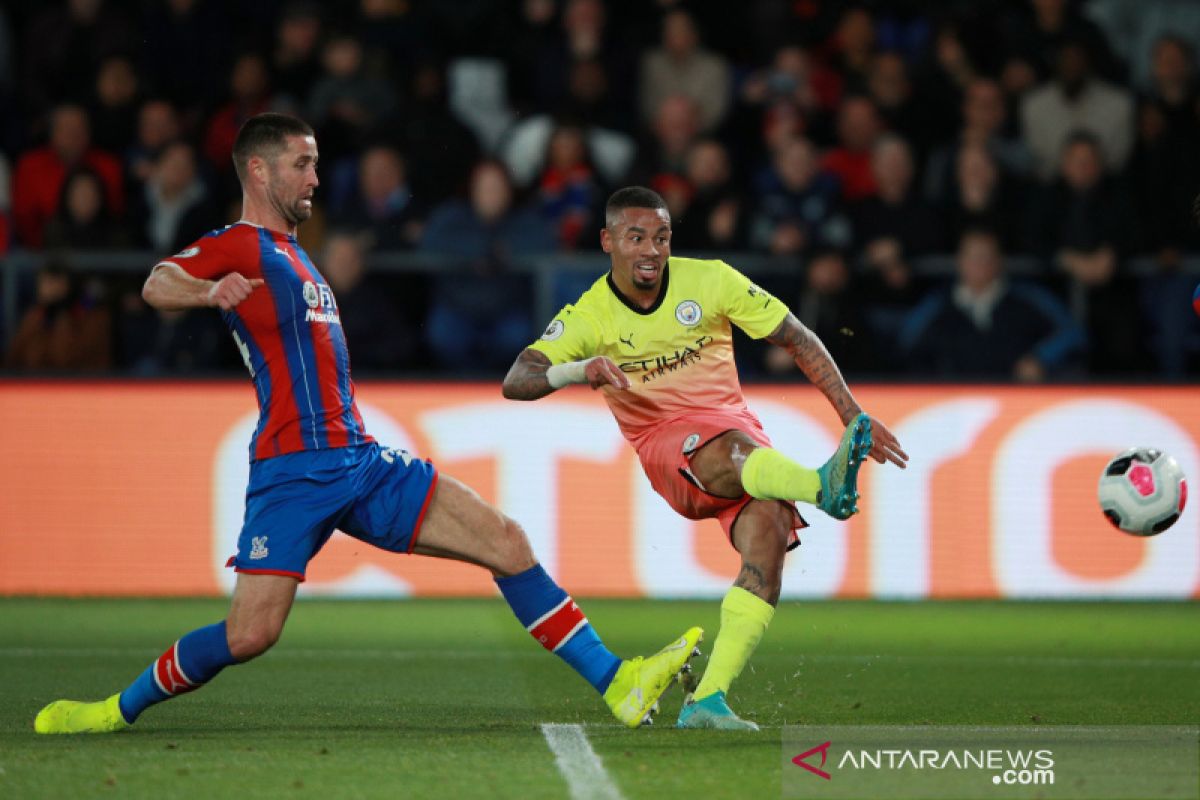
(294, 503)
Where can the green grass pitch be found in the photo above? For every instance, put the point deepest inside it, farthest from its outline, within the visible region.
(444, 699)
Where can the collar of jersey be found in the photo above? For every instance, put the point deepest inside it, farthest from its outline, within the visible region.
(270, 231)
(634, 307)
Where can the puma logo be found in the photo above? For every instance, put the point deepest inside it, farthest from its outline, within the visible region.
(627, 342)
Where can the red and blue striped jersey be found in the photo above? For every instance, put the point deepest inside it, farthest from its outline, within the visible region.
(290, 335)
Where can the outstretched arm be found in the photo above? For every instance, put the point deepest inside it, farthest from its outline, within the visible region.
(818, 366)
(532, 376)
(170, 288)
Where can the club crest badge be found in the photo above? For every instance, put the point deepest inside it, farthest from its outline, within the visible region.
(311, 296)
(688, 313)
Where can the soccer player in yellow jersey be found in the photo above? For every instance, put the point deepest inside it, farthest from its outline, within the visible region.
(654, 335)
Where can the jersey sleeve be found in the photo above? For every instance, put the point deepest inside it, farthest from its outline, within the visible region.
(571, 336)
(754, 310)
(208, 258)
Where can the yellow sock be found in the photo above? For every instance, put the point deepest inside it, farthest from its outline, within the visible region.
(744, 619)
(770, 475)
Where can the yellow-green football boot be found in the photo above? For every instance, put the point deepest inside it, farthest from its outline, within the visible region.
(639, 683)
(72, 716)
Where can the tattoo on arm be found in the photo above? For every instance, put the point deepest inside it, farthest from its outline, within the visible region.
(816, 363)
(526, 380)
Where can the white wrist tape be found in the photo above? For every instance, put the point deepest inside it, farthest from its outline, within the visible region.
(560, 375)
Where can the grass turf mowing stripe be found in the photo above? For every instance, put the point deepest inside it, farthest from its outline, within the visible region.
(283, 651)
(577, 761)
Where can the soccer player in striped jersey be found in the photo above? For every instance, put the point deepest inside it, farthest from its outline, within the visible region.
(654, 334)
(314, 467)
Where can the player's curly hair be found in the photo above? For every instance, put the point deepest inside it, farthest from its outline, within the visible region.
(631, 197)
(265, 135)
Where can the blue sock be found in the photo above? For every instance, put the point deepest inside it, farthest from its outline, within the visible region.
(552, 617)
(186, 665)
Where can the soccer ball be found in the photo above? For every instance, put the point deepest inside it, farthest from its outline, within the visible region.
(1142, 491)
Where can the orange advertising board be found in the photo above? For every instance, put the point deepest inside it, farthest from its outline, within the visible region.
(137, 489)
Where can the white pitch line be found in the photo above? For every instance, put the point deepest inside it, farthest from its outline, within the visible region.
(578, 763)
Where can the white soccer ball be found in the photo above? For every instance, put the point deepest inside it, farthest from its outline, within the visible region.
(1142, 491)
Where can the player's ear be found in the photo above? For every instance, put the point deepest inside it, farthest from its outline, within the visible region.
(606, 242)
(257, 166)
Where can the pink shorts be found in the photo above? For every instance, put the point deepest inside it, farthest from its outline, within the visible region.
(666, 458)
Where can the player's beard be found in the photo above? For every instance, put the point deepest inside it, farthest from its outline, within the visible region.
(642, 284)
(293, 213)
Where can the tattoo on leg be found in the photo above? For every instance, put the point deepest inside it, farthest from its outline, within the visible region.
(751, 579)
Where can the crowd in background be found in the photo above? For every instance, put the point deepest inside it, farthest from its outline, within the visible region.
(1050, 149)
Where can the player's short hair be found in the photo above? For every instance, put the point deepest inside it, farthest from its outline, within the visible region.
(265, 135)
(631, 197)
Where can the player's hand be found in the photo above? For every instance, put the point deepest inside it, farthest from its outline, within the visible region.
(601, 371)
(884, 446)
(231, 290)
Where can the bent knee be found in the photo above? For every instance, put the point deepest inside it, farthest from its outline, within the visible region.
(252, 642)
(515, 553)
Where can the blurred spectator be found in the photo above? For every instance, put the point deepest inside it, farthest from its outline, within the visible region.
(798, 203)
(441, 149)
(396, 33)
(40, 173)
(175, 207)
(1084, 225)
(249, 94)
(942, 78)
(716, 217)
(114, 104)
(568, 192)
(295, 61)
(526, 145)
(585, 37)
(858, 126)
(184, 45)
(983, 123)
(66, 328)
(1035, 34)
(381, 337)
(850, 48)
(532, 31)
(83, 219)
(794, 95)
(889, 86)
(8, 60)
(1077, 100)
(794, 77)
(895, 211)
(830, 307)
(382, 202)
(479, 314)
(65, 43)
(662, 160)
(681, 66)
(1084, 212)
(5, 205)
(157, 126)
(1133, 27)
(154, 343)
(889, 290)
(982, 196)
(986, 327)
(1166, 162)
(348, 101)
